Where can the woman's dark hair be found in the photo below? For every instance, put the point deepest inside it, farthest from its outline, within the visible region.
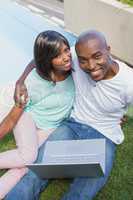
(47, 46)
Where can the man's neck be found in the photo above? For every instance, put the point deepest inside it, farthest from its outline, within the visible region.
(114, 69)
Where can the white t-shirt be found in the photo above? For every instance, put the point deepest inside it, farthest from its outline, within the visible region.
(102, 104)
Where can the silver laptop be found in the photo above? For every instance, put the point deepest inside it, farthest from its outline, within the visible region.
(72, 158)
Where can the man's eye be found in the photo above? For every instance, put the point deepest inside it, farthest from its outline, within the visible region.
(82, 61)
(98, 57)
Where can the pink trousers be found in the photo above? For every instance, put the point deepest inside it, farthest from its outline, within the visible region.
(28, 139)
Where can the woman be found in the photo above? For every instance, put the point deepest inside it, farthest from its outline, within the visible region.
(51, 96)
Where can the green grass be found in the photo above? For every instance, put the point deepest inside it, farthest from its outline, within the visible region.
(120, 183)
(129, 2)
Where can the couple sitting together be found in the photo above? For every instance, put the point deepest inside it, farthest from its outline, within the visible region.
(64, 94)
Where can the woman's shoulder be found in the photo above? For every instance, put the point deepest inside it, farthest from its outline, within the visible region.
(35, 78)
(36, 84)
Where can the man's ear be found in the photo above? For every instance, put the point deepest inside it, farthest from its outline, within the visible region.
(76, 45)
(109, 49)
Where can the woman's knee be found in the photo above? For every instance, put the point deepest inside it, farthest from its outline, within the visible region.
(29, 156)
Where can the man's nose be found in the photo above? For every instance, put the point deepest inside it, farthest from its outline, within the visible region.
(91, 65)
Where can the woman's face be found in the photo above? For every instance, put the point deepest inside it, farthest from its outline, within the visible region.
(63, 61)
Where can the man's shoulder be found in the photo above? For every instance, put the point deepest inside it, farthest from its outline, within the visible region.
(125, 67)
(73, 52)
(125, 71)
(74, 57)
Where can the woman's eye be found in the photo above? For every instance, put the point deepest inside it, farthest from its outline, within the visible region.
(58, 56)
(67, 50)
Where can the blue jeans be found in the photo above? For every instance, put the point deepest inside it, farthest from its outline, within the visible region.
(30, 185)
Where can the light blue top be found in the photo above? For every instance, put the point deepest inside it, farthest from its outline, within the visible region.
(49, 103)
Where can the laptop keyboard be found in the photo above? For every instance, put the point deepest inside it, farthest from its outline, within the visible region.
(69, 159)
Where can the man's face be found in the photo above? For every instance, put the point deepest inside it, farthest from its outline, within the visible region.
(94, 58)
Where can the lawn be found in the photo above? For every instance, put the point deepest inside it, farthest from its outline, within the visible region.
(129, 2)
(120, 184)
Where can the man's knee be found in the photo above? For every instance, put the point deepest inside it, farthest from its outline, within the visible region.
(110, 155)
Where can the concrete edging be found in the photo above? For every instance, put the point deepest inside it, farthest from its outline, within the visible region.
(113, 18)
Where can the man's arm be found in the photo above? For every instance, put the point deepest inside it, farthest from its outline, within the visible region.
(10, 120)
(20, 97)
(20, 88)
(27, 70)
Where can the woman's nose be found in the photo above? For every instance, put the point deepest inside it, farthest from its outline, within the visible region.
(66, 57)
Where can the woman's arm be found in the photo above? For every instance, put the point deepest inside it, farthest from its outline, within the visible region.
(20, 88)
(10, 120)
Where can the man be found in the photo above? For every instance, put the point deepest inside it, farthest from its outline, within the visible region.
(102, 95)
